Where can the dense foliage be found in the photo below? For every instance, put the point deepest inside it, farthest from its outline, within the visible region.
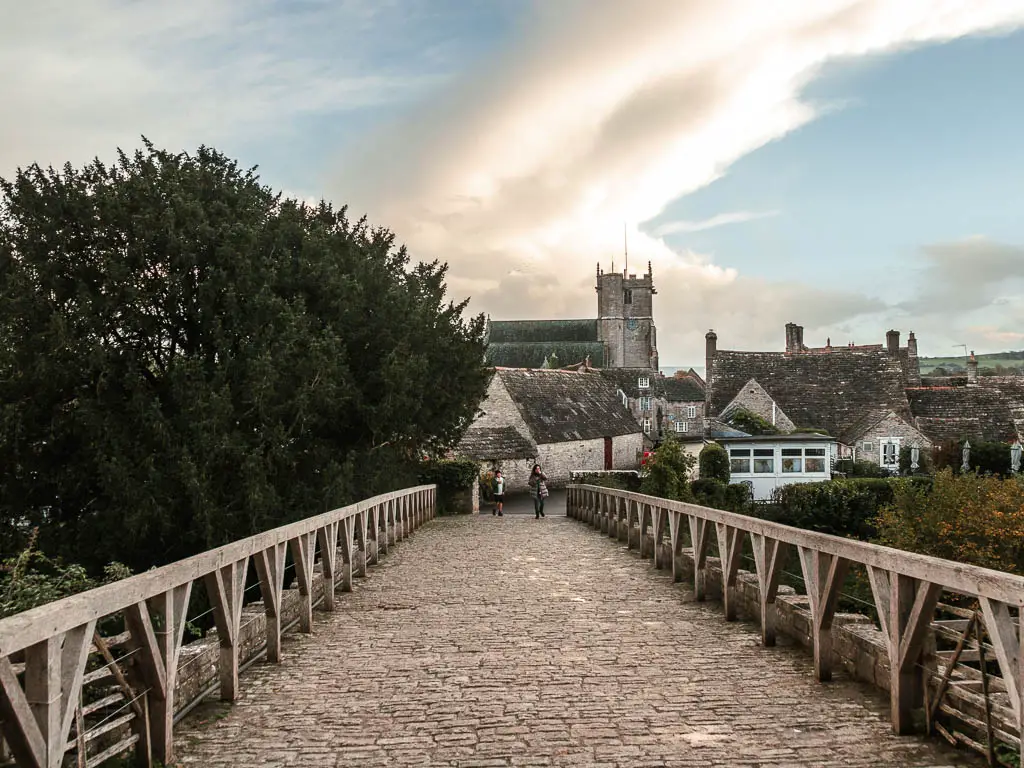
(714, 463)
(668, 472)
(969, 518)
(186, 358)
(844, 507)
(30, 578)
(859, 468)
(984, 457)
(751, 423)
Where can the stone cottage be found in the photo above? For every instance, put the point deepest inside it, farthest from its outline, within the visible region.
(563, 420)
(871, 398)
(662, 405)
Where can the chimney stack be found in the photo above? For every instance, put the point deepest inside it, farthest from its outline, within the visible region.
(794, 338)
(892, 342)
(710, 350)
(913, 363)
(972, 370)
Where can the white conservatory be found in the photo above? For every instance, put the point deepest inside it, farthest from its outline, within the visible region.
(766, 462)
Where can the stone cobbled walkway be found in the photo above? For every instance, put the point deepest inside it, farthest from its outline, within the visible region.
(520, 642)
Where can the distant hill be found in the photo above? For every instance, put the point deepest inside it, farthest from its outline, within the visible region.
(993, 363)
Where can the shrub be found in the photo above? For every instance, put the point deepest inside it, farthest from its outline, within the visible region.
(968, 518)
(751, 423)
(668, 468)
(837, 507)
(738, 498)
(623, 482)
(31, 578)
(714, 463)
(860, 468)
(452, 476)
(709, 492)
(985, 457)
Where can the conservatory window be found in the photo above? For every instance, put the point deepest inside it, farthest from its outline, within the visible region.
(739, 460)
(764, 461)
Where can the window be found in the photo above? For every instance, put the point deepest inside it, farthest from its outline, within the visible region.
(867, 446)
(814, 460)
(643, 382)
(645, 403)
(739, 460)
(682, 426)
(691, 411)
(647, 425)
(627, 296)
(764, 461)
(792, 460)
(890, 453)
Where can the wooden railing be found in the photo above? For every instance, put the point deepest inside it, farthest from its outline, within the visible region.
(906, 586)
(45, 652)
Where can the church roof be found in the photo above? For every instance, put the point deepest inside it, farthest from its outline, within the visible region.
(528, 343)
(830, 390)
(533, 354)
(565, 406)
(495, 443)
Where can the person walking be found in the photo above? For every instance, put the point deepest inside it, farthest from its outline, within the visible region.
(538, 490)
(499, 494)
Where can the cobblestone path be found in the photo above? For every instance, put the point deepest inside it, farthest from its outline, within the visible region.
(521, 642)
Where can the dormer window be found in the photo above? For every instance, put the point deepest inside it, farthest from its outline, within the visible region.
(643, 382)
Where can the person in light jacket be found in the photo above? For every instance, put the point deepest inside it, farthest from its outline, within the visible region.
(538, 490)
(499, 494)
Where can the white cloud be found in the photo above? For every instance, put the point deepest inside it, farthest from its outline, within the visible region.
(718, 220)
(607, 111)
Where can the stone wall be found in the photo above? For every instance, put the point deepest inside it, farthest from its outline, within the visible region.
(558, 459)
(891, 426)
(754, 398)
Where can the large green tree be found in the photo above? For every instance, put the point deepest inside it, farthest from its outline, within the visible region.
(187, 358)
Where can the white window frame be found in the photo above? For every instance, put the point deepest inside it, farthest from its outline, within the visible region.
(885, 442)
(691, 411)
(647, 425)
(643, 382)
(682, 426)
(646, 403)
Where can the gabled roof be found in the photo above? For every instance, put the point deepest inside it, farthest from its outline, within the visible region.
(681, 390)
(991, 411)
(828, 390)
(564, 406)
(495, 443)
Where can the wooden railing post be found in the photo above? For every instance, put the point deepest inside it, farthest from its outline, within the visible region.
(823, 577)
(226, 590)
(302, 556)
(270, 569)
(675, 529)
(327, 537)
(359, 555)
(699, 537)
(769, 556)
(347, 531)
(730, 547)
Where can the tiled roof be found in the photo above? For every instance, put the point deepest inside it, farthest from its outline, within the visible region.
(532, 354)
(563, 406)
(681, 390)
(518, 331)
(830, 390)
(992, 411)
(495, 443)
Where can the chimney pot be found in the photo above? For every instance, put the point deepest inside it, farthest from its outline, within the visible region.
(972, 370)
(892, 341)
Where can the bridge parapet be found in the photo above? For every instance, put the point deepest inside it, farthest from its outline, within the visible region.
(906, 588)
(47, 654)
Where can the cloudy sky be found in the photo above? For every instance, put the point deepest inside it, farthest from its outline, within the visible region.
(849, 165)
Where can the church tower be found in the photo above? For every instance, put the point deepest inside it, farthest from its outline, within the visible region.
(625, 317)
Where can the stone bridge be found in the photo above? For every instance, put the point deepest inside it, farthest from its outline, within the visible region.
(484, 641)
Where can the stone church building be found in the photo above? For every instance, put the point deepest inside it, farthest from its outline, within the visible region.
(622, 336)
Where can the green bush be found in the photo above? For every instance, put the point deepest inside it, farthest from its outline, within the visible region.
(738, 498)
(986, 458)
(451, 476)
(751, 423)
(714, 463)
(668, 469)
(709, 492)
(837, 507)
(860, 468)
(31, 578)
(623, 482)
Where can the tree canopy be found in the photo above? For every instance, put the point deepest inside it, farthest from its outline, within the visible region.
(187, 358)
